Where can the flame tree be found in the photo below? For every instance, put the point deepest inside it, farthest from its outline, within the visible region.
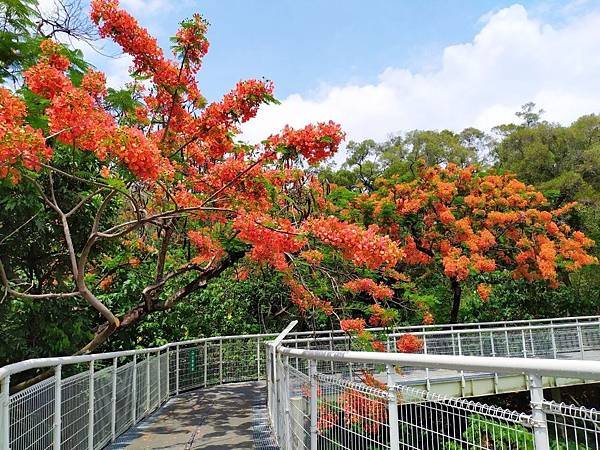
(469, 224)
(155, 182)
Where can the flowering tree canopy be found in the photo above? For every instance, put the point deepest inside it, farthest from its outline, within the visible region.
(471, 223)
(168, 190)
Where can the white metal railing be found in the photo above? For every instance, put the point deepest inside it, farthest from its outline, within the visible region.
(322, 404)
(92, 399)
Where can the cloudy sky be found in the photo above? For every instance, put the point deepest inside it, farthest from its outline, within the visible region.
(383, 67)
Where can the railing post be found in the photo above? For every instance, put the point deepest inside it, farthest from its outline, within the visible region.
(90, 437)
(523, 344)
(463, 383)
(168, 392)
(113, 402)
(580, 340)
(5, 414)
(220, 361)
(177, 370)
(257, 358)
(147, 383)
(286, 403)
(134, 391)
(392, 409)
(312, 373)
(57, 407)
(205, 363)
(427, 380)
(540, 424)
(158, 379)
(553, 336)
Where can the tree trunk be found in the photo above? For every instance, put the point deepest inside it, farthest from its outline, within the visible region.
(137, 313)
(456, 295)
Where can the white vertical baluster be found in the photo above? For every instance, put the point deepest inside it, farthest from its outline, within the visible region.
(90, 437)
(57, 407)
(134, 391)
(540, 423)
(113, 402)
(5, 414)
(392, 409)
(177, 370)
(312, 373)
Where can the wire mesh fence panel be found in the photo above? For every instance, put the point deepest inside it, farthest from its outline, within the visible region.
(191, 367)
(124, 398)
(213, 362)
(102, 406)
(238, 360)
(429, 421)
(572, 427)
(299, 409)
(74, 411)
(351, 415)
(590, 337)
(567, 339)
(164, 377)
(32, 417)
(141, 389)
(153, 361)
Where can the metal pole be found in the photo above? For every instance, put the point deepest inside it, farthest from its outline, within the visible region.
(286, 398)
(177, 370)
(90, 438)
(220, 361)
(134, 391)
(580, 340)
(427, 380)
(5, 414)
(158, 378)
(553, 336)
(257, 359)
(523, 343)
(168, 391)
(57, 406)
(312, 373)
(205, 363)
(392, 409)
(540, 424)
(147, 382)
(113, 402)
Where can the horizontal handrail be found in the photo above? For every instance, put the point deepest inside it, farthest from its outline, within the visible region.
(447, 332)
(291, 338)
(542, 367)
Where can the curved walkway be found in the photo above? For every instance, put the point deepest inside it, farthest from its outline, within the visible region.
(227, 417)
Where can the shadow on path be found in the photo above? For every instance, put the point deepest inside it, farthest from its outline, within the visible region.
(217, 418)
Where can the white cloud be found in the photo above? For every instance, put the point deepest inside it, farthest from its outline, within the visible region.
(512, 60)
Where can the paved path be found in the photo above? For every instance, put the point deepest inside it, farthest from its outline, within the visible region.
(218, 418)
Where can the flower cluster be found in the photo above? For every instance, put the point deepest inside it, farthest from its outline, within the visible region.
(380, 316)
(207, 248)
(409, 343)
(377, 291)
(313, 142)
(306, 300)
(270, 239)
(352, 325)
(367, 248)
(20, 144)
(363, 410)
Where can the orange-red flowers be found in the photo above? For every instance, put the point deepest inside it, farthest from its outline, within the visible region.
(314, 142)
(377, 291)
(352, 325)
(484, 291)
(409, 343)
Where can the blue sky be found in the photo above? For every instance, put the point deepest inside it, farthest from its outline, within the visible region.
(304, 44)
(383, 67)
